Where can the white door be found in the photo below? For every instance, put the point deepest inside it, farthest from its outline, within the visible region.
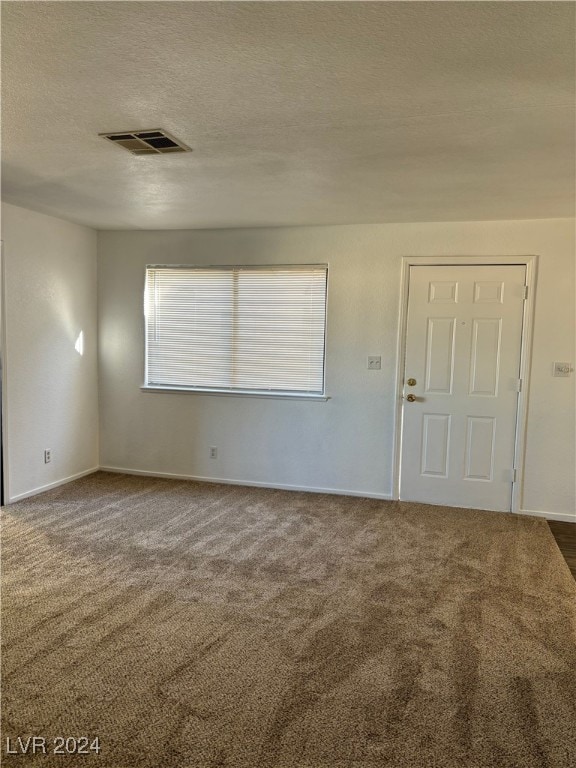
(461, 384)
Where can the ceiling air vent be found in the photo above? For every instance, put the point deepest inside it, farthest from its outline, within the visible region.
(152, 142)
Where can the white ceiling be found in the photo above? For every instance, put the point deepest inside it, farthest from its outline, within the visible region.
(298, 112)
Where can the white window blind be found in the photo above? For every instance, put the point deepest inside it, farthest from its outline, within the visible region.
(247, 329)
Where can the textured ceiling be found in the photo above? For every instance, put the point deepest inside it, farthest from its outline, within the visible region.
(298, 112)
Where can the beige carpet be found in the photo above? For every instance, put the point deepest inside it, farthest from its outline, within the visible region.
(194, 625)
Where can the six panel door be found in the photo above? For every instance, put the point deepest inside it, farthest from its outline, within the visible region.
(463, 347)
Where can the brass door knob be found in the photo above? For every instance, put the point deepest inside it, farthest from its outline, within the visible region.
(411, 398)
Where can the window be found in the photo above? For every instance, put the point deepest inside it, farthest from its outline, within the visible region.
(236, 329)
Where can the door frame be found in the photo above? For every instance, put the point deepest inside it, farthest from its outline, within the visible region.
(531, 264)
(3, 379)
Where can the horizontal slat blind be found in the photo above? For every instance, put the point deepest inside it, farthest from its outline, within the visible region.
(255, 329)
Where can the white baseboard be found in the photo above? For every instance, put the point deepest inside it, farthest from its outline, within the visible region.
(561, 517)
(41, 489)
(249, 483)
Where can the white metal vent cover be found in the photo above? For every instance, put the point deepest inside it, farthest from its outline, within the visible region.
(154, 141)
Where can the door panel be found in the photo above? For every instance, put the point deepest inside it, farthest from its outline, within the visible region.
(440, 355)
(443, 292)
(479, 464)
(485, 357)
(463, 345)
(435, 444)
(489, 292)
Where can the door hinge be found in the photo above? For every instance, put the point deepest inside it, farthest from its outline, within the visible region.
(518, 385)
(513, 474)
(525, 293)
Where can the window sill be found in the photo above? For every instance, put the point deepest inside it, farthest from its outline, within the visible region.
(235, 393)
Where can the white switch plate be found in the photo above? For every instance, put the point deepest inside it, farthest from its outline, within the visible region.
(563, 369)
(374, 363)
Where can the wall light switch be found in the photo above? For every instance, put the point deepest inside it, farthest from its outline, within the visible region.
(562, 369)
(374, 363)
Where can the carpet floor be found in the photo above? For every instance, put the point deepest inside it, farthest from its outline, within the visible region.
(193, 625)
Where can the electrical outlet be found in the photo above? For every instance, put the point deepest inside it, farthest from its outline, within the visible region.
(213, 452)
(374, 363)
(47, 456)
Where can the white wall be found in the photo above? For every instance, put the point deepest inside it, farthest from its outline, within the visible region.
(346, 443)
(50, 297)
